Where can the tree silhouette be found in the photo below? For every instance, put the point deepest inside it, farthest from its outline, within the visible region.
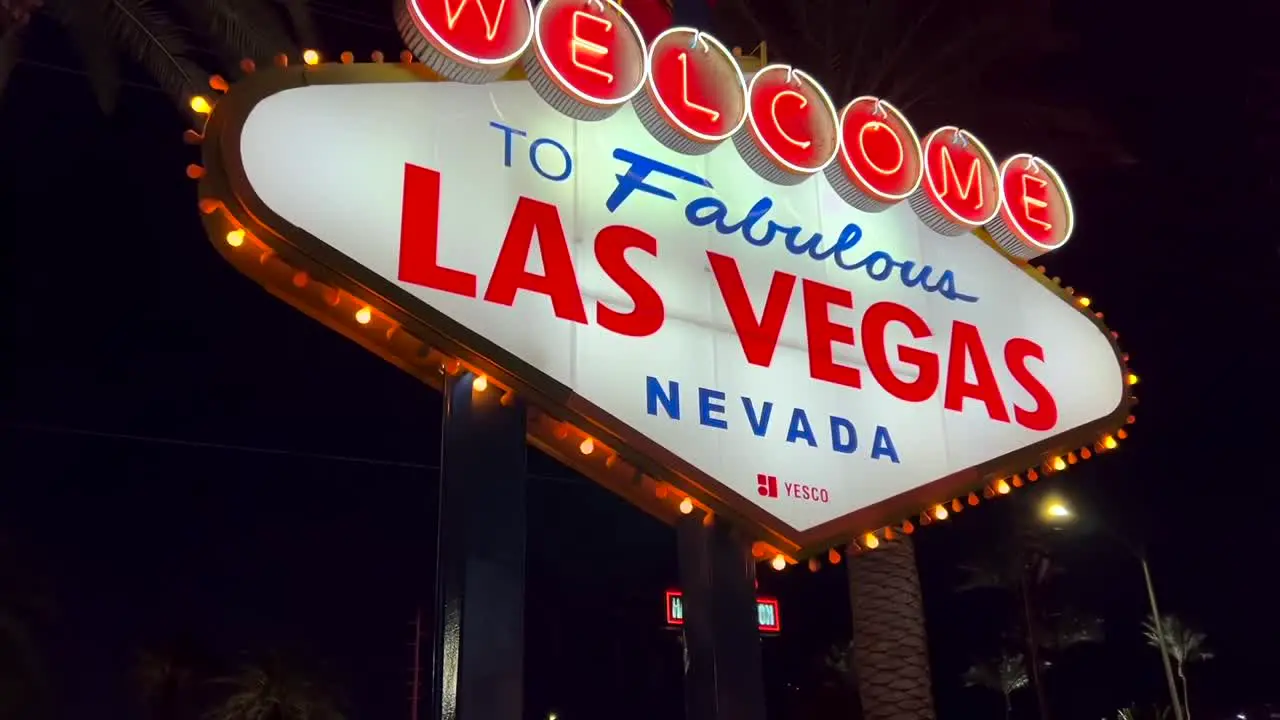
(1182, 643)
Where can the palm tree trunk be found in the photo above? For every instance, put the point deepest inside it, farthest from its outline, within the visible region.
(1186, 698)
(890, 649)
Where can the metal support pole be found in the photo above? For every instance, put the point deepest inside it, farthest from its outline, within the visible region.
(1033, 642)
(724, 679)
(478, 663)
(1164, 651)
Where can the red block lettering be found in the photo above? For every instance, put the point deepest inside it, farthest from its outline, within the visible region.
(420, 236)
(874, 321)
(966, 349)
(823, 333)
(509, 273)
(759, 338)
(1045, 415)
(648, 314)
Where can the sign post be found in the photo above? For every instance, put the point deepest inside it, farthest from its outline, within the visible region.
(480, 557)
(782, 322)
(723, 678)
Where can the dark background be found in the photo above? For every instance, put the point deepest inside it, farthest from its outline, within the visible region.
(185, 456)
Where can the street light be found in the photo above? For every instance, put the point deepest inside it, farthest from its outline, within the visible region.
(1056, 511)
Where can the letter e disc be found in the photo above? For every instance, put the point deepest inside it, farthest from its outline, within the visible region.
(880, 161)
(1035, 211)
(695, 97)
(588, 57)
(791, 131)
(960, 190)
(467, 41)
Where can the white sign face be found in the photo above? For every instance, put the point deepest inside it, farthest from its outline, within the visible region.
(812, 358)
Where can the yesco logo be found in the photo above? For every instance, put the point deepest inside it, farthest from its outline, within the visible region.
(767, 487)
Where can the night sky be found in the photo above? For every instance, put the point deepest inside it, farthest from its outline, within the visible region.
(185, 456)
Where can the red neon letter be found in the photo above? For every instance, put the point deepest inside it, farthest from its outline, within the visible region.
(966, 344)
(862, 147)
(420, 236)
(773, 115)
(684, 68)
(759, 338)
(579, 44)
(611, 246)
(974, 178)
(823, 333)
(1045, 415)
(1028, 202)
(490, 23)
(874, 321)
(509, 274)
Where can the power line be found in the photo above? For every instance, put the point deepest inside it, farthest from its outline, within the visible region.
(209, 445)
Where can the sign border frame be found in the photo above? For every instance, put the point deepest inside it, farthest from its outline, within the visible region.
(225, 182)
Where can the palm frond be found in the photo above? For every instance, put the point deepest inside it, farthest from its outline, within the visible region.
(82, 19)
(304, 28)
(1179, 640)
(241, 28)
(152, 38)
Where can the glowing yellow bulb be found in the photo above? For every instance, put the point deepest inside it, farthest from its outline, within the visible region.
(364, 315)
(201, 105)
(940, 513)
(1133, 379)
(871, 541)
(1109, 442)
(480, 384)
(1058, 463)
(686, 506)
(587, 446)
(779, 562)
(310, 57)
(1003, 488)
(235, 238)
(1084, 301)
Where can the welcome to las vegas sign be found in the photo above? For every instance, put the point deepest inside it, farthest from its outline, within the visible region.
(716, 291)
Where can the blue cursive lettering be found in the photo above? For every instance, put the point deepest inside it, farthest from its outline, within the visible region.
(758, 231)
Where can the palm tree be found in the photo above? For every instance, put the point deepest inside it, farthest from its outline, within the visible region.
(273, 690)
(890, 657)
(1005, 674)
(155, 35)
(1182, 643)
(169, 679)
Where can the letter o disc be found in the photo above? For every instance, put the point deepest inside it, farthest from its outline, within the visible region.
(880, 161)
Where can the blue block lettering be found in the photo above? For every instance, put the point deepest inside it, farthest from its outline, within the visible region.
(670, 400)
(711, 401)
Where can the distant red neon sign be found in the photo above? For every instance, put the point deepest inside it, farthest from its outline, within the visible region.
(767, 612)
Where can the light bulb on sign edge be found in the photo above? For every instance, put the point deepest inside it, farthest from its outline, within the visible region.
(1058, 463)
(200, 104)
(310, 57)
(480, 384)
(686, 506)
(235, 238)
(1132, 379)
(940, 512)
(587, 446)
(778, 562)
(1002, 487)
(364, 315)
(833, 556)
(871, 542)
